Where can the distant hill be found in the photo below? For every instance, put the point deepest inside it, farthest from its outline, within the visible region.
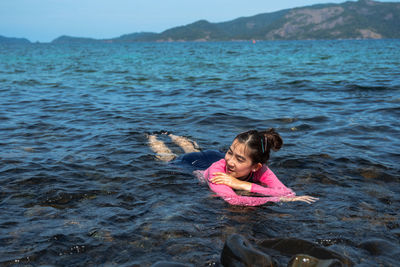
(8, 40)
(69, 40)
(363, 19)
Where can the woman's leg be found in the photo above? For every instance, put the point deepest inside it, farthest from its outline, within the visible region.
(187, 145)
(162, 151)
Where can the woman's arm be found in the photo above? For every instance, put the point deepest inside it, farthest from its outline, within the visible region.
(227, 194)
(232, 182)
(277, 188)
(272, 191)
(270, 185)
(219, 182)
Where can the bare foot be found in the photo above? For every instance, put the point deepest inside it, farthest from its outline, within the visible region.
(162, 151)
(186, 144)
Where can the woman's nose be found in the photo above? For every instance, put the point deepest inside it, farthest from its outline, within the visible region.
(229, 161)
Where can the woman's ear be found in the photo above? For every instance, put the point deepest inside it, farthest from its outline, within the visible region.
(256, 167)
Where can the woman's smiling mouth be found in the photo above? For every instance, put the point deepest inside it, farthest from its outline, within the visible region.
(229, 169)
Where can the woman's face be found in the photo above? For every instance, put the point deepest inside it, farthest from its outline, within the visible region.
(238, 162)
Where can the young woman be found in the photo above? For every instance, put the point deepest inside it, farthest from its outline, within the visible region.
(243, 167)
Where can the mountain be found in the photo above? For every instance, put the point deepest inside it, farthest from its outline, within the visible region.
(70, 40)
(363, 19)
(8, 40)
(136, 37)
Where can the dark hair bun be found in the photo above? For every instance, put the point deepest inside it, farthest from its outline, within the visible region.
(274, 140)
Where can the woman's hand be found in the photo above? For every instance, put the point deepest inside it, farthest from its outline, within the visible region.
(307, 199)
(232, 182)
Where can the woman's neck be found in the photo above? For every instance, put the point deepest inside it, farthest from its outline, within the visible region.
(246, 178)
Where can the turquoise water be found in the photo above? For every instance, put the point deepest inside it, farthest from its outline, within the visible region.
(79, 185)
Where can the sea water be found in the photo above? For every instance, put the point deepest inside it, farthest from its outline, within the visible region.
(80, 186)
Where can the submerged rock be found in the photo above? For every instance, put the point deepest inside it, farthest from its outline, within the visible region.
(294, 246)
(301, 260)
(238, 252)
(369, 173)
(379, 247)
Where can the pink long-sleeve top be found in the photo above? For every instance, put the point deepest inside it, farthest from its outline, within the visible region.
(264, 182)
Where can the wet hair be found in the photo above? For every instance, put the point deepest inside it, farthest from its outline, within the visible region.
(260, 143)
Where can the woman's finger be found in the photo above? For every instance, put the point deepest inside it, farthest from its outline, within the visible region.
(308, 199)
(218, 179)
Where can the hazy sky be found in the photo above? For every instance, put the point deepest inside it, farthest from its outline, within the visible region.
(45, 20)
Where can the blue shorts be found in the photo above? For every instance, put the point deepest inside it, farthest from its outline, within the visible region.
(199, 160)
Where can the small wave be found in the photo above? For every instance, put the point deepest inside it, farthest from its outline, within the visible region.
(171, 78)
(39, 126)
(367, 87)
(61, 199)
(214, 79)
(28, 82)
(116, 72)
(4, 118)
(374, 128)
(298, 82)
(214, 92)
(18, 71)
(224, 118)
(190, 78)
(302, 127)
(251, 78)
(85, 70)
(389, 110)
(138, 79)
(54, 85)
(316, 119)
(283, 120)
